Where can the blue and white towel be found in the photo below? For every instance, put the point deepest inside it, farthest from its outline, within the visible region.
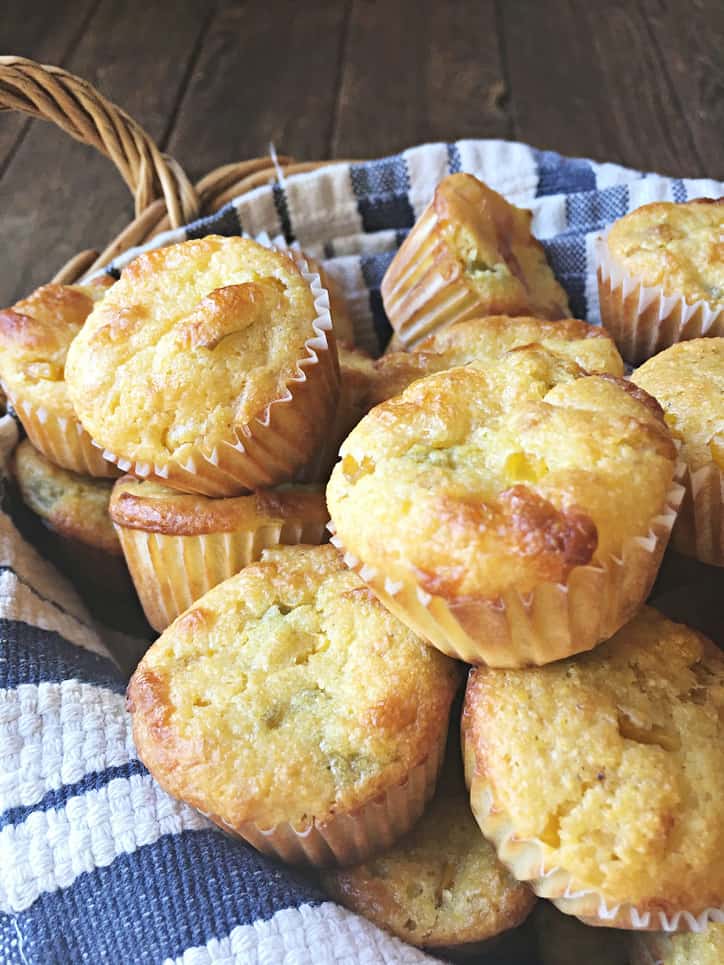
(97, 864)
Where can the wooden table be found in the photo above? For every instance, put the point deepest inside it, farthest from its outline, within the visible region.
(640, 82)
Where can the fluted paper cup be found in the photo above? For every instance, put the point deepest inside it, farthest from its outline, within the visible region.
(699, 530)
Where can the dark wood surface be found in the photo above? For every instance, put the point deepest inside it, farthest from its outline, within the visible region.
(639, 82)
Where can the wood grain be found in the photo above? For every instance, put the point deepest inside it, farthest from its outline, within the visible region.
(419, 70)
(267, 73)
(589, 81)
(58, 197)
(690, 40)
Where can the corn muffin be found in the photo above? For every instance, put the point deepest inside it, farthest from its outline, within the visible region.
(441, 886)
(471, 253)
(661, 276)
(178, 546)
(486, 339)
(600, 778)
(563, 940)
(210, 365)
(75, 509)
(688, 382)
(294, 710)
(511, 514)
(35, 335)
(657, 948)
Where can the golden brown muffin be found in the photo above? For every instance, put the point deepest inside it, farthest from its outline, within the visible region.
(290, 706)
(75, 508)
(600, 778)
(513, 513)
(563, 940)
(35, 335)
(661, 276)
(487, 339)
(211, 365)
(441, 886)
(688, 382)
(702, 948)
(178, 546)
(471, 253)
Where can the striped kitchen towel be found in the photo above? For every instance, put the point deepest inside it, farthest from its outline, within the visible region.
(97, 864)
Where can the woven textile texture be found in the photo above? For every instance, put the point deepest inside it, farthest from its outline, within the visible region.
(97, 864)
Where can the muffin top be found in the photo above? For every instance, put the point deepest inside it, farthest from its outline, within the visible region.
(677, 246)
(495, 251)
(286, 693)
(441, 884)
(686, 948)
(74, 506)
(564, 940)
(35, 335)
(157, 509)
(612, 762)
(688, 382)
(195, 340)
(481, 479)
(487, 339)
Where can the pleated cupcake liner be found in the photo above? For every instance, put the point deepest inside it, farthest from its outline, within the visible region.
(275, 444)
(172, 572)
(424, 289)
(699, 529)
(348, 838)
(644, 319)
(526, 859)
(62, 440)
(551, 622)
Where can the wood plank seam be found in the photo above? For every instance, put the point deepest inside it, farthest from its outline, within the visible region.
(339, 75)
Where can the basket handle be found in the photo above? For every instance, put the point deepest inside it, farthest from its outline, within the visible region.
(53, 94)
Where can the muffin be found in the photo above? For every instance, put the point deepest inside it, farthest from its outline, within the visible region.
(656, 948)
(471, 253)
(294, 710)
(487, 339)
(511, 514)
(178, 546)
(35, 335)
(688, 382)
(211, 365)
(75, 509)
(563, 940)
(600, 778)
(661, 276)
(441, 886)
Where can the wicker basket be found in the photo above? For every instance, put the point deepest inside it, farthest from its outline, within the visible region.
(164, 197)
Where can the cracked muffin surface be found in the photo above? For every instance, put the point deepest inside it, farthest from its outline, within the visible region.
(288, 693)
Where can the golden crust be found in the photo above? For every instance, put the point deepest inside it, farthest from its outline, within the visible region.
(440, 885)
(694, 948)
(688, 381)
(481, 479)
(72, 505)
(35, 335)
(156, 509)
(679, 247)
(288, 693)
(613, 762)
(193, 342)
(488, 339)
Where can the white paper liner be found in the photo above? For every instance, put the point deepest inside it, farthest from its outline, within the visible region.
(699, 530)
(61, 439)
(643, 319)
(526, 860)
(171, 572)
(349, 838)
(274, 445)
(552, 622)
(424, 289)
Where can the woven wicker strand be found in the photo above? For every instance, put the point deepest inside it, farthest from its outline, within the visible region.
(163, 195)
